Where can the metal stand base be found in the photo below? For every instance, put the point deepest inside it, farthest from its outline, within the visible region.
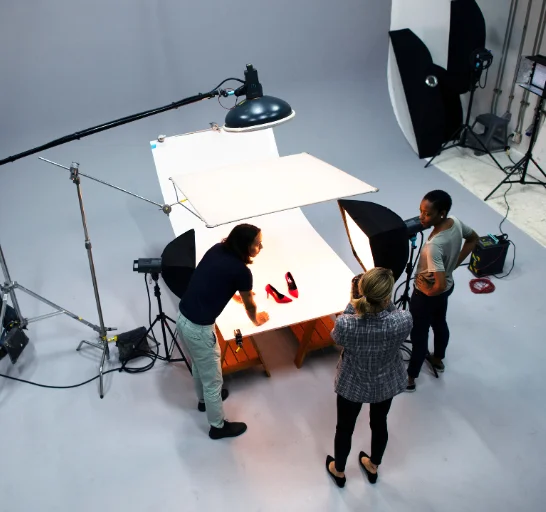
(462, 134)
(102, 345)
(163, 319)
(523, 164)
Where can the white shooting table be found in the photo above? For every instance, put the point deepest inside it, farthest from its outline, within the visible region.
(228, 176)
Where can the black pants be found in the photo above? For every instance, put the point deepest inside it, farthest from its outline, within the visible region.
(347, 414)
(427, 312)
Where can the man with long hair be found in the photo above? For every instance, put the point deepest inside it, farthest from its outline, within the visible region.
(222, 272)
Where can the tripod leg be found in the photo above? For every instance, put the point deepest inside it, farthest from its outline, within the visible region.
(7, 279)
(486, 151)
(173, 336)
(538, 167)
(85, 342)
(443, 148)
(105, 355)
(3, 311)
(505, 180)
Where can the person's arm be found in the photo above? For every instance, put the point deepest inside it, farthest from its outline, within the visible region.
(339, 332)
(349, 310)
(257, 318)
(471, 239)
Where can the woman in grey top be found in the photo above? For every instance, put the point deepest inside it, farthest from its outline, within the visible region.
(442, 253)
(370, 370)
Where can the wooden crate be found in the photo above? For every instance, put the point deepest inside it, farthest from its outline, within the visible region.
(312, 335)
(234, 361)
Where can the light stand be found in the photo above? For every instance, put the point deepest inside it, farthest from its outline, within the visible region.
(404, 300)
(163, 319)
(536, 86)
(465, 129)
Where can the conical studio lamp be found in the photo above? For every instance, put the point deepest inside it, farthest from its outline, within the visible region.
(256, 111)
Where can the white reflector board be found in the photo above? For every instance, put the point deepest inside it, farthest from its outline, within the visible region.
(236, 192)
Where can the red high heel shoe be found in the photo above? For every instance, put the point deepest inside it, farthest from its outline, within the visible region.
(279, 297)
(292, 288)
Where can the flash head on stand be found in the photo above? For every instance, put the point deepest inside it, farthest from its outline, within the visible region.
(147, 266)
(176, 264)
(414, 226)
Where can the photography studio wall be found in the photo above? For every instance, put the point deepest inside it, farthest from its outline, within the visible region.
(78, 64)
(430, 19)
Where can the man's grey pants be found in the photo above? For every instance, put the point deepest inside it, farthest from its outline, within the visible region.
(202, 346)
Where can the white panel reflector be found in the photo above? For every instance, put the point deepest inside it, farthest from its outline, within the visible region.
(245, 190)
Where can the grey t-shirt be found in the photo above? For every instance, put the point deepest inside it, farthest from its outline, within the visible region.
(440, 254)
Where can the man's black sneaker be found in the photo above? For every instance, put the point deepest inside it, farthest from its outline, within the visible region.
(228, 430)
(411, 388)
(201, 405)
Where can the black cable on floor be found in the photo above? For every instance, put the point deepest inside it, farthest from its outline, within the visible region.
(59, 387)
(503, 221)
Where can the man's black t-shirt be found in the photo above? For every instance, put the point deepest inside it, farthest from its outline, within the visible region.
(218, 276)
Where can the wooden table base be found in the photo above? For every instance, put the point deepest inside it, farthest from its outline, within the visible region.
(312, 335)
(234, 361)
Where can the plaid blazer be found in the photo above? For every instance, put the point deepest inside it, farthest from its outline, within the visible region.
(371, 368)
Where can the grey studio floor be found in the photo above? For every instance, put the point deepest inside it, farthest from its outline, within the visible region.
(472, 440)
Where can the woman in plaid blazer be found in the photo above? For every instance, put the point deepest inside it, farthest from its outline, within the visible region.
(370, 370)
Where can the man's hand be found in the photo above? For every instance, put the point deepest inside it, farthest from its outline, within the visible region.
(251, 309)
(261, 318)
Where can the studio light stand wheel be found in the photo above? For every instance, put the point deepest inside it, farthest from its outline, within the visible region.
(164, 320)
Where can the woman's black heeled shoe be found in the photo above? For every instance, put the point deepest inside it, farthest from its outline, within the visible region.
(340, 482)
(372, 477)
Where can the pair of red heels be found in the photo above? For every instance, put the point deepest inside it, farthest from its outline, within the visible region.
(278, 296)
